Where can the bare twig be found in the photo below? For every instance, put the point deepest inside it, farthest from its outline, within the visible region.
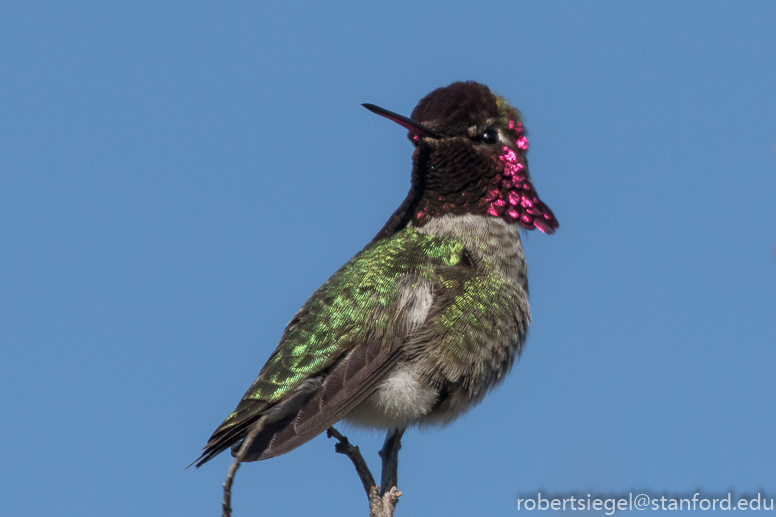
(352, 452)
(390, 456)
(226, 509)
(382, 501)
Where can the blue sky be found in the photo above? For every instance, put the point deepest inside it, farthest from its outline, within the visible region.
(177, 178)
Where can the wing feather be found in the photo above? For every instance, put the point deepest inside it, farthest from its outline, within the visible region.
(338, 348)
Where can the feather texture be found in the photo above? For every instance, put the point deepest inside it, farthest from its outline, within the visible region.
(339, 346)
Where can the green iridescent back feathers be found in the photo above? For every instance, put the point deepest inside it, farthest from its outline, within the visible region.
(332, 320)
(332, 323)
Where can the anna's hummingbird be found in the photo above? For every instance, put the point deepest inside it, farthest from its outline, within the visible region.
(420, 324)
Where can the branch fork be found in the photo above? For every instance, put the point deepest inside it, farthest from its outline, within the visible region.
(382, 498)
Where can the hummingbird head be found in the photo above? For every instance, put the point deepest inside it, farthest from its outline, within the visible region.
(470, 148)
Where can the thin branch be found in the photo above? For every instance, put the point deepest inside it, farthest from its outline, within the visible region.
(390, 456)
(382, 501)
(226, 509)
(352, 452)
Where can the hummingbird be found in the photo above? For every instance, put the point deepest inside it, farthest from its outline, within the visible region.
(430, 315)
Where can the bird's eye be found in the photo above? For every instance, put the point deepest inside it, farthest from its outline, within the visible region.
(490, 137)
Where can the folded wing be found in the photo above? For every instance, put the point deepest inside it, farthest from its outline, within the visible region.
(339, 347)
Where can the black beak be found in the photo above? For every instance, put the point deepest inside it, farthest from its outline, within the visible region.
(416, 127)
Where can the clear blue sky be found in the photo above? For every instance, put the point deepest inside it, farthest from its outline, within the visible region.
(176, 178)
